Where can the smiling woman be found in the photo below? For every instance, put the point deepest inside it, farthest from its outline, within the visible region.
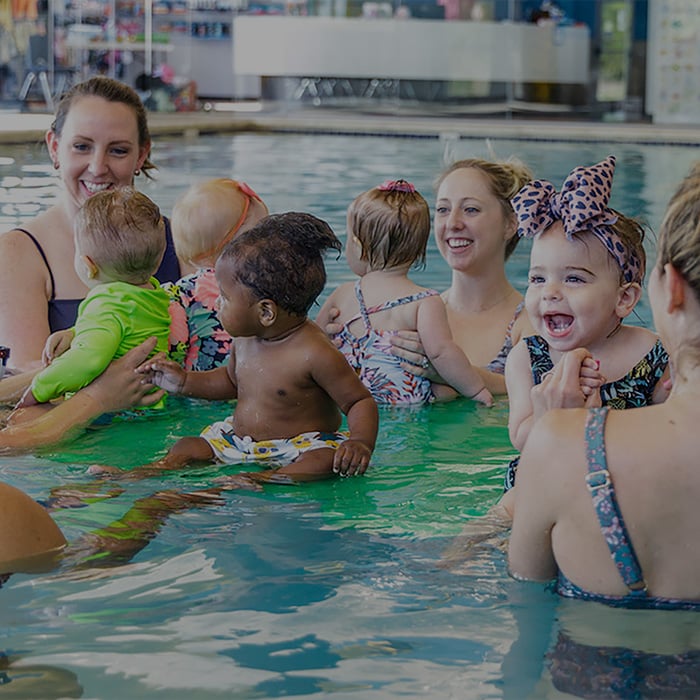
(99, 140)
(475, 232)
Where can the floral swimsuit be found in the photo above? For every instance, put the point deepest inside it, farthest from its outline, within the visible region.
(370, 356)
(198, 341)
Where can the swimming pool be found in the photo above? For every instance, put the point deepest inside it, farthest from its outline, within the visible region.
(332, 589)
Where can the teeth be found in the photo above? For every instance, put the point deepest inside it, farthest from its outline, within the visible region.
(458, 243)
(94, 187)
(559, 322)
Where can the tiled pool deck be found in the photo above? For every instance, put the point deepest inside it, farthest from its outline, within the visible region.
(18, 127)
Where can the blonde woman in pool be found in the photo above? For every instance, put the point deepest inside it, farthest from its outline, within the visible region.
(618, 521)
(475, 231)
(388, 230)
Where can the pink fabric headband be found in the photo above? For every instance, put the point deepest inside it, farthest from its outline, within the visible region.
(249, 195)
(582, 205)
(397, 186)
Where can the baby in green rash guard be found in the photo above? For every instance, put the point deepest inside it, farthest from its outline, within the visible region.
(119, 243)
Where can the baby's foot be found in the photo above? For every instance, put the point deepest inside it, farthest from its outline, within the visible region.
(79, 496)
(180, 500)
(104, 470)
(237, 481)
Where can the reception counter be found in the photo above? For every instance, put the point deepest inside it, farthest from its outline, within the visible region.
(410, 49)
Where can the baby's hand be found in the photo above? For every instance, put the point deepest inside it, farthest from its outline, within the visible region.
(351, 458)
(164, 373)
(483, 396)
(56, 344)
(591, 380)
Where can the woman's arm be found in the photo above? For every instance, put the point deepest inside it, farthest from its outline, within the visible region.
(12, 388)
(24, 316)
(407, 345)
(117, 388)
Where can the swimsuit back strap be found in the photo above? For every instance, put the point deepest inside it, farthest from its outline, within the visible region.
(363, 308)
(43, 257)
(365, 311)
(605, 503)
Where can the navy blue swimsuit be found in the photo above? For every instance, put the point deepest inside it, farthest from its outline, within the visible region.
(63, 312)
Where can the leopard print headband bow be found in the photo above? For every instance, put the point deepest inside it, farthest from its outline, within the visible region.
(582, 205)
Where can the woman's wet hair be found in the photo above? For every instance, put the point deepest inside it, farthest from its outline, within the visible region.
(281, 258)
(112, 91)
(679, 235)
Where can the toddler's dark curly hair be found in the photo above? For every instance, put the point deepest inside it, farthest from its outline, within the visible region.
(281, 258)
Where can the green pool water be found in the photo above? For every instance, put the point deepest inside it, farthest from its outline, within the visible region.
(332, 589)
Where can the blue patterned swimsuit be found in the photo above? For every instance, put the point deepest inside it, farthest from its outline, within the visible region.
(370, 356)
(612, 525)
(633, 390)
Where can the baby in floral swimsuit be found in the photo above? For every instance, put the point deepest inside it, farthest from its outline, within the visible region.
(388, 230)
(205, 218)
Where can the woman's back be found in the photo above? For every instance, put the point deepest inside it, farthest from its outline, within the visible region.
(652, 458)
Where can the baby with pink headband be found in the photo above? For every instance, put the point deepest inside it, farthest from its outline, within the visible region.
(205, 218)
(586, 270)
(387, 234)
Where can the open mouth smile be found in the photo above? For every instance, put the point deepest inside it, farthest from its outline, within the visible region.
(558, 325)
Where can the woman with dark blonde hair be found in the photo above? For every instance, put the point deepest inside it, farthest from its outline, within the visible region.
(99, 140)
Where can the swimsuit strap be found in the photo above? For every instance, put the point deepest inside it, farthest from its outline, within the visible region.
(540, 359)
(365, 311)
(607, 509)
(43, 257)
(498, 363)
(363, 308)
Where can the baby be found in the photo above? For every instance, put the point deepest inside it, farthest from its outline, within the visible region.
(291, 382)
(205, 218)
(119, 243)
(586, 269)
(388, 229)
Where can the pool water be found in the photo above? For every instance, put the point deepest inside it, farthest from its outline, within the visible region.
(332, 589)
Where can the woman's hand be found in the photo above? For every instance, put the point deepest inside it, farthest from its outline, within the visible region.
(407, 346)
(331, 328)
(120, 386)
